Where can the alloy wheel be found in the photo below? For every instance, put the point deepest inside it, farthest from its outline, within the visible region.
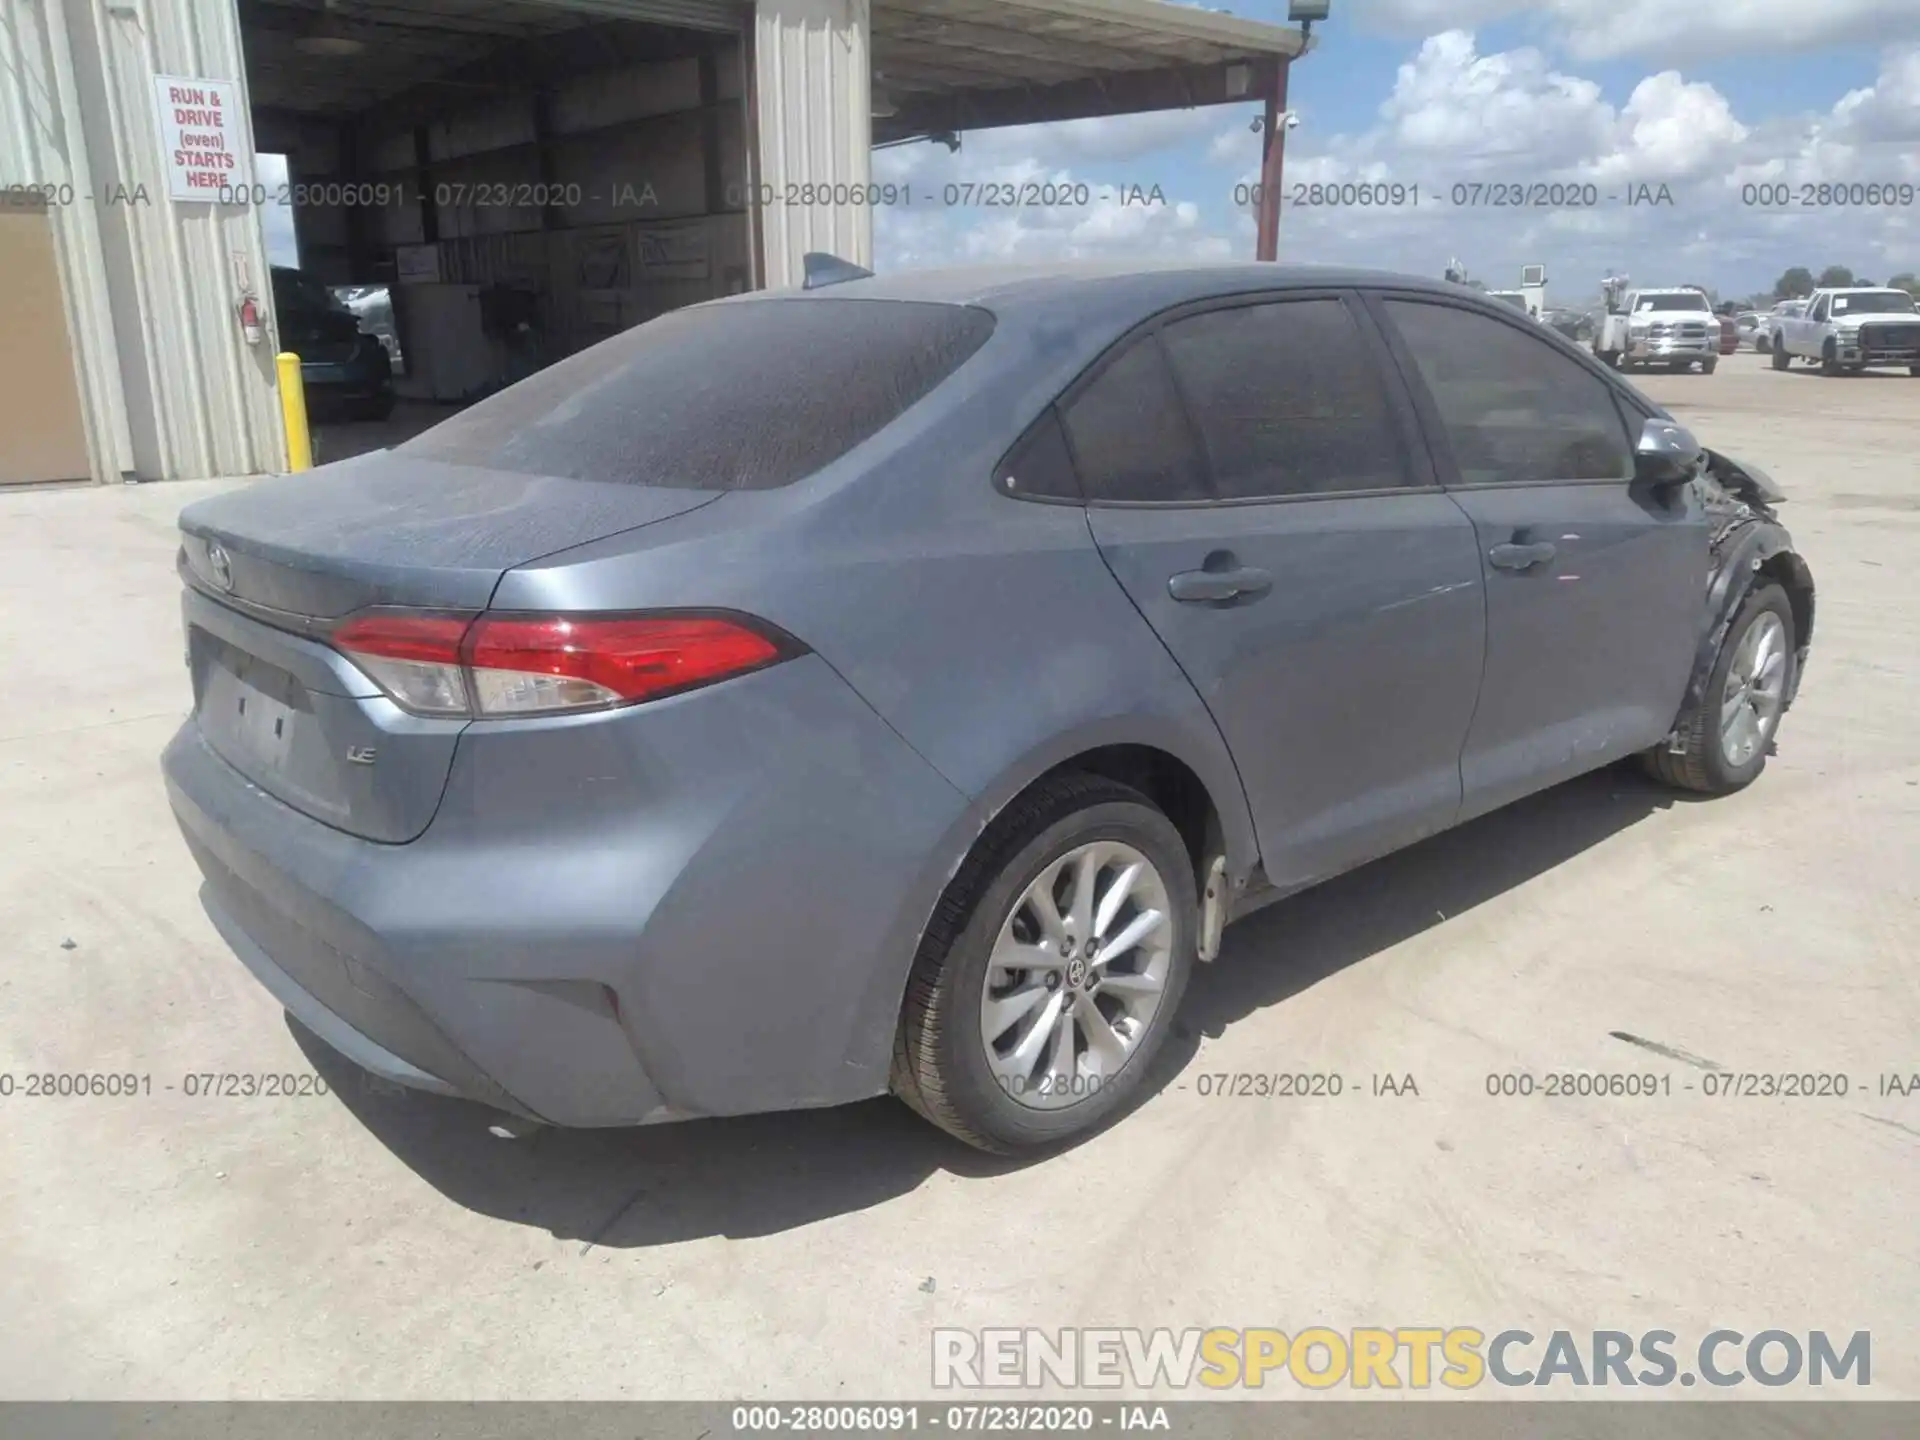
(1755, 690)
(1077, 975)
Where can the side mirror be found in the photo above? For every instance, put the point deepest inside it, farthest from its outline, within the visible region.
(1666, 455)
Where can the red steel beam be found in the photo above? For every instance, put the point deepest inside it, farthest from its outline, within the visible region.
(1273, 151)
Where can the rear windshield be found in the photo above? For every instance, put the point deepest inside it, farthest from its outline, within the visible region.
(741, 396)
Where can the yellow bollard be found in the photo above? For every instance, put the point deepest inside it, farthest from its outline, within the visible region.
(293, 404)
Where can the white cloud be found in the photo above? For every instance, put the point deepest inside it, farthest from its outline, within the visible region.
(1670, 130)
(1045, 163)
(1021, 209)
(1672, 32)
(1233, 142)
(1889, 110)
(1450, 102)
(1600, 28)
(1456, 114)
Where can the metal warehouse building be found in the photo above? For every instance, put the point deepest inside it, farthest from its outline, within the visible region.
(523, 177)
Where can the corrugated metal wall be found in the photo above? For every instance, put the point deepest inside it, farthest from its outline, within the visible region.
(200, 401)
(813, 109)
(41, 144)
(170, 388)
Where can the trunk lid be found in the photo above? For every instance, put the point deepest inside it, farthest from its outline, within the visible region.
(270, 568)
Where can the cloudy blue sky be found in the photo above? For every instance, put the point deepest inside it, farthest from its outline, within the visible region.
(1702, 96)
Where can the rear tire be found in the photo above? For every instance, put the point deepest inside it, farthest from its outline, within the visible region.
(1707, 761)
(941, 1063)
(1781, 359)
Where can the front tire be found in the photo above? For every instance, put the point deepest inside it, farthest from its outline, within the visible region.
(1725, 736)
(1829, 362)
(1707, 365)
(1050, 973)
(1781, 359)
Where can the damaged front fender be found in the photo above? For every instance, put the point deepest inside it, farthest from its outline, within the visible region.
(1749, 545)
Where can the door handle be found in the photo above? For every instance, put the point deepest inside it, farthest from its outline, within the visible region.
(1214, 587)
(1521, 557)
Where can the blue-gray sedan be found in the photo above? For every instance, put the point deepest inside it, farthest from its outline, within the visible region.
(896, 685)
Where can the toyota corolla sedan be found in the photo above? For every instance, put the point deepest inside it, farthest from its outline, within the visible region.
(896, 685)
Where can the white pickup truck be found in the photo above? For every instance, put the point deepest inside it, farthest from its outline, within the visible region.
(1672, 326)
(1847, 330)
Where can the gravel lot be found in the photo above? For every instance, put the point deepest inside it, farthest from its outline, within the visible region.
(371, 1245)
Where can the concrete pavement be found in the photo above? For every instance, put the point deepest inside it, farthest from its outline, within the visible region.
(368, 1245)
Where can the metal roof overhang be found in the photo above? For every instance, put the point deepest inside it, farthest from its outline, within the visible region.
(957, 65)
(943, 65)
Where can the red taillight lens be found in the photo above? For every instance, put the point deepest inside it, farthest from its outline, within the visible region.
(525, 664)
(507, 664)
(415, 658)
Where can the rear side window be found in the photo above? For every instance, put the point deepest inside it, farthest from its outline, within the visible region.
(1287, 400)
(1041, 464)
(747, 395)
(1129, 435)
(1516, 410)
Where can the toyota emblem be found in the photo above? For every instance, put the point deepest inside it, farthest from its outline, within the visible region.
(220, 566)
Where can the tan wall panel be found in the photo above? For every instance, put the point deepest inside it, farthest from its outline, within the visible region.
(42, 436)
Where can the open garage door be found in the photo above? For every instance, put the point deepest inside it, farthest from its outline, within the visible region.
(479, 188)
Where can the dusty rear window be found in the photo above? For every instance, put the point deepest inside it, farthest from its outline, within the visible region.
(742, 396)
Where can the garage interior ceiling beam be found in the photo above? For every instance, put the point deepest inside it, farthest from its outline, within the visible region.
(414, 67)
(957, 65)
(405, 43)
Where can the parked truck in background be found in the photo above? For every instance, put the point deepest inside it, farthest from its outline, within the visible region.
(1670, 326)
(1848, 330)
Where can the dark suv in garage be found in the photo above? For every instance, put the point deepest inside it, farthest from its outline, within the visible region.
(347, 373)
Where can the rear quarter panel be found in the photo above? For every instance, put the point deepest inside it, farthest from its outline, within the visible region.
(985, 630)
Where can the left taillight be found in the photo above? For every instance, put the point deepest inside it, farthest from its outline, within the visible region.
(505, 665)
(414, 657)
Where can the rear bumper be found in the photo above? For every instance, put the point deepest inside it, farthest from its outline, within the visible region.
(310, 1011)
(703, 906)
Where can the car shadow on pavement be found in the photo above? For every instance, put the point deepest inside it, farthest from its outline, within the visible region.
(657, 1184)
(761, 1174)
(1284, 949)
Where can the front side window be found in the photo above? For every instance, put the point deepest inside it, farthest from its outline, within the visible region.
(1516, 410)
(1286, 399)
